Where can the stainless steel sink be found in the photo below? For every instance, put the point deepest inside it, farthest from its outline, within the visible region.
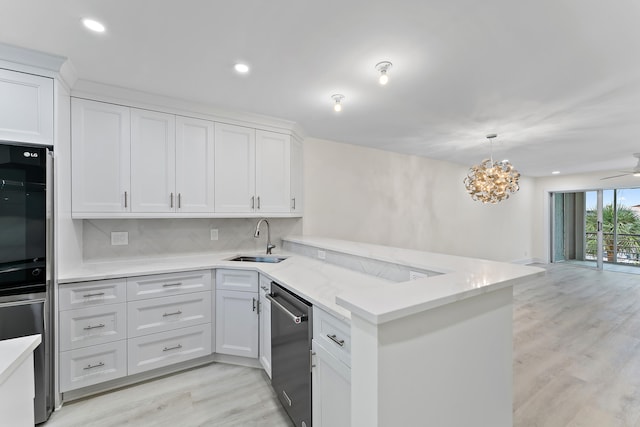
(269, 259)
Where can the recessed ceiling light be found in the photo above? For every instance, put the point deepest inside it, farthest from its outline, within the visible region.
(241, 68)
(93, 25)
(555, 172)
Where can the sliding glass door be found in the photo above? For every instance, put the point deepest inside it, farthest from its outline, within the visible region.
(596, 228)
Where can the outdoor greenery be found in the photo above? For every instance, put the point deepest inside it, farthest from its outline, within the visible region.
(628, 230)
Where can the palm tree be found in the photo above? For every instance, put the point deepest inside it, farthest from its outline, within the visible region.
(627, 228)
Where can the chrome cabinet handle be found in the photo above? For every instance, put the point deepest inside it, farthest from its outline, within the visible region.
(175, 347)
(90, 366)
(258, 202)
(311, 354)
(253, 199)
(254, 304)
(96, 294)
(125, 199)
(335, 340)
(167, 285)
(179, 200)
(293, 206)
(171, 197)
(175, 313)
(88, 328)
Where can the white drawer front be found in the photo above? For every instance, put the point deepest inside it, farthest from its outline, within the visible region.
(237, 280)
(163, 314)
(160, 285)
(86, 294)
(333, 334)
(265, 285)
(92, 365)
(166, 348)
(92, 325)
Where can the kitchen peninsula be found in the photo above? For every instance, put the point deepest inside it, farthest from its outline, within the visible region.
(436, 348)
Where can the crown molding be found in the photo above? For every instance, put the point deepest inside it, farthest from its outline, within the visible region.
(133, 98)
(30, 61)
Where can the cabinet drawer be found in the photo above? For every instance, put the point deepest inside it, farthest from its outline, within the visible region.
(83, 327)
(237, 280)
(333, 334)
(92, 365)
(86, 294)
(265, 285)
(160, 285)
(163, 314)
(166, 348)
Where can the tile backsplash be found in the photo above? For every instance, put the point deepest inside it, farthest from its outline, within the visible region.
(162, 237)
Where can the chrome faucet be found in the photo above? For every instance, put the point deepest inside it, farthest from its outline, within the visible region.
(257, 234)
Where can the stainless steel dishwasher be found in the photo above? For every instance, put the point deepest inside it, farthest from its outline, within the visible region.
(291, 334)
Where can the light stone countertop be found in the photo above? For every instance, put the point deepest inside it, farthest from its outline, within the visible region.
(316, 281)
(339, 290)
(461, 278)
(13, 352)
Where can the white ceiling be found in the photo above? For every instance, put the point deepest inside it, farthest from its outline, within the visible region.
(558, 80)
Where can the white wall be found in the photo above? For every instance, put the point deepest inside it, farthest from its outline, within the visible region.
(380, 197)
(68, 232)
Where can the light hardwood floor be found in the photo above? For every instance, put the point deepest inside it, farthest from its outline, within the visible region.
(577, 349)
(214, 395)
(576, 363)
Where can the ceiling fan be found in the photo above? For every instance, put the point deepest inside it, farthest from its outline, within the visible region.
(634, 172)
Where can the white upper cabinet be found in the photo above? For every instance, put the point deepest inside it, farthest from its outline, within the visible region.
(131, 162)
(194, 165)
(235, 168)
(254, 171)
(100, 141)
(26, 108)
(153, 159)
(273, 172)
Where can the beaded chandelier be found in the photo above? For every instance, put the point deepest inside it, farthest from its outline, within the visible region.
(492, 182)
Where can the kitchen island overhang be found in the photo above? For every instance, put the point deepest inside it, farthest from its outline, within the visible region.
(436, 350)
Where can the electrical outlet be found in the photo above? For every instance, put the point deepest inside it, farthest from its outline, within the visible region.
(214, 234)
(119, 238)
(322, 254)
(413, 275)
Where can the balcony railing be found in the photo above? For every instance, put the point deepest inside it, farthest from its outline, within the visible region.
(628, 248)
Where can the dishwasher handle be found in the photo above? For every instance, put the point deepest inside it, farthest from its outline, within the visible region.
(294, 317)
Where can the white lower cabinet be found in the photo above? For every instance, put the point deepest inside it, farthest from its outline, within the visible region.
(331, 371)
(264, 307)
(237, 313)
(166, 348)
(92, 365)
(92, 326)
(113, 328)
(237, 323)
(163, 314)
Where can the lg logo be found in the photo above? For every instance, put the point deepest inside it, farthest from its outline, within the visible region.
(30, 154)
